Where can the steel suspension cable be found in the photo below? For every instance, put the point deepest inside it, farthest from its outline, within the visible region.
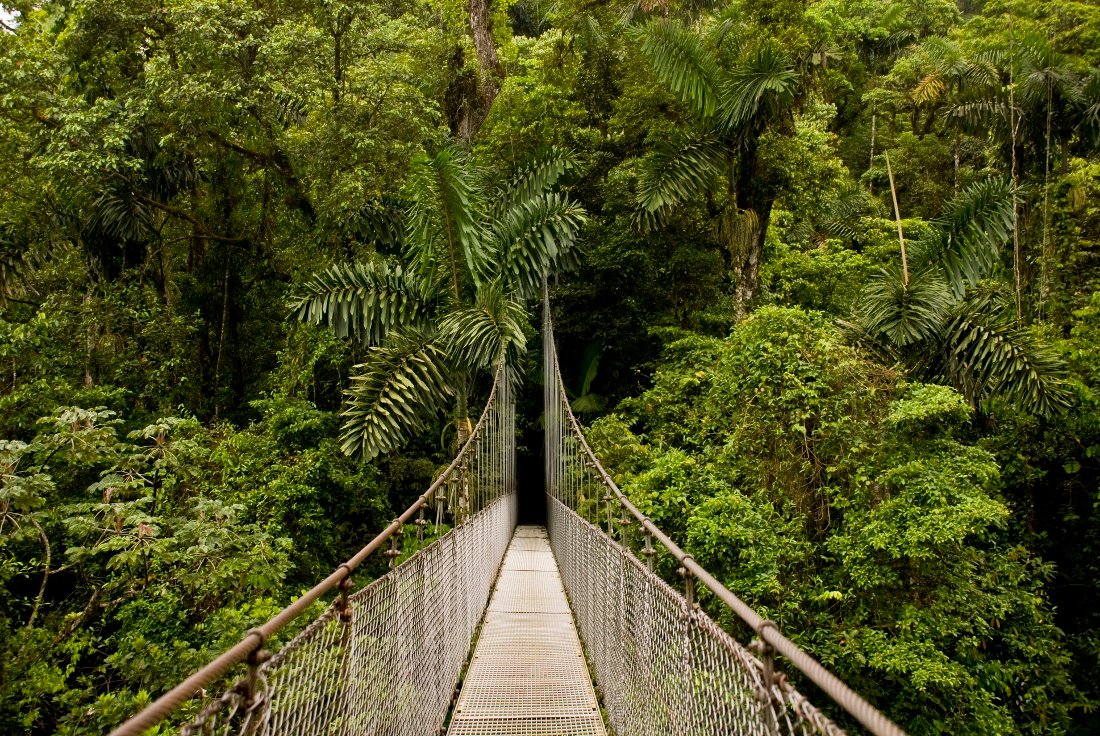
(388, 656)
(627, 614)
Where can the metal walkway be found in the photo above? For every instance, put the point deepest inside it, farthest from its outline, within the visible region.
(528, 674)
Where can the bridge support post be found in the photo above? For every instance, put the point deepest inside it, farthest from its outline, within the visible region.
(607, 510)
(647, 550)
(248, 686)
(394, 552)
(624, 525)
(766, 653)
(420, 522)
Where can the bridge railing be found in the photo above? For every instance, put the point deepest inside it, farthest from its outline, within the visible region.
(662, 666)
(384, 659)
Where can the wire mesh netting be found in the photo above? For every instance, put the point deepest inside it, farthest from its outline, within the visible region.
(661, 665)
(385, 660)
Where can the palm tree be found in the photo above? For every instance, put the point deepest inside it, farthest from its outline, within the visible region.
(455, 306)
(943, 319)
(1023, 95)
(717, 155)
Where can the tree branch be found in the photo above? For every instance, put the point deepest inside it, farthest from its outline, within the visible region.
(188, 217)
(45, 570)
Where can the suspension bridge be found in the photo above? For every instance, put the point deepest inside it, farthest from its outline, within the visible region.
(495, 628)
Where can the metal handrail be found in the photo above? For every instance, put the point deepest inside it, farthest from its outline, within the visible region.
(255, 639)
(767, 631)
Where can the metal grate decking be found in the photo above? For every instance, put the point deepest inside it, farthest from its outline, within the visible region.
(528, 675)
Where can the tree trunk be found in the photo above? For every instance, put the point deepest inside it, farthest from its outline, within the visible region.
(1017, 253)
(746, 268)
(755, 198)
(957, 162)
(1044, 265)
(871, 163)
(469, 100)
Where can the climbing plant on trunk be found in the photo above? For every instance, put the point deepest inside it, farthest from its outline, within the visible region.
(717, 155)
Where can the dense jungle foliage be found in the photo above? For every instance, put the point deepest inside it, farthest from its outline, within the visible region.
(825, 285)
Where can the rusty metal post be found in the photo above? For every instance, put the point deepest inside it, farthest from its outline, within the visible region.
(420, 523)
(647, 550)
(393, 552)
(624, 526)
(607, 511)
(247, 685)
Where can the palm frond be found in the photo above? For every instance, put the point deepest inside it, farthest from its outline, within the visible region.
(972, 229)
(984, 354)
(536, 238)
(946, 57)
(981, 112)
(381, 222)
(984, 69)
(121, 216)
(929, 89)
(682, 61)
(590, 365)
(678, 171)
(446, 216)
(477, 336)
(588, 404)
(290, 110)
(365, 300)
(902, 313)
(762, 85)
(839, 219)
(1085, 99)
(394, 394)
(18, 261)
(535, 178)
(588, 34)
(854, 333)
